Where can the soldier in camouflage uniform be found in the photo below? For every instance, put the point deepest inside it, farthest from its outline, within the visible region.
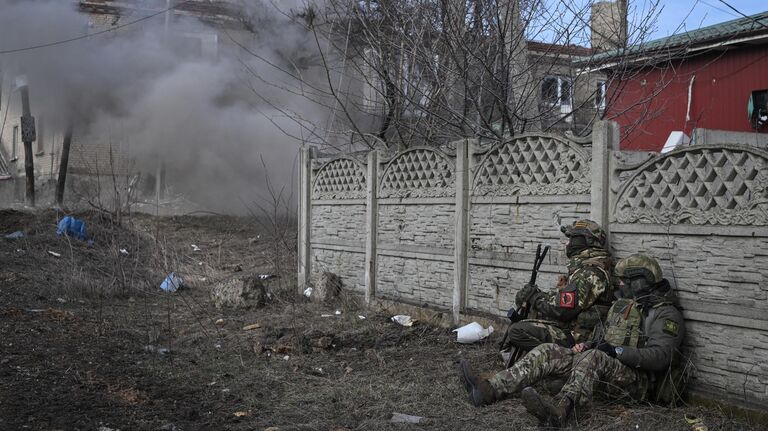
(567, 315)
(640, 339)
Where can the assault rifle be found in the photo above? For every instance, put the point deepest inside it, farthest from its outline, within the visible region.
(516, 315)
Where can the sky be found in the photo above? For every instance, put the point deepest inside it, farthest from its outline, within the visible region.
(678, 16)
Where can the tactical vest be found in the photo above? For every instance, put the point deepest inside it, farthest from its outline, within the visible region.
(623, 324)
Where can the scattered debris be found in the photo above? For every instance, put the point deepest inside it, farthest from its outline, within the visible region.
(401, 418)
(308, 292)
(286, 357)
(327, 315)
(124, 252)
(251, 327)
(267, 276)
(361, 317)
(159, 350)
(71, 226)
(61, 300)
(15, 235)
(219, 322)
(696, 423)
(403, 320)
(54, 254)
(327, 286)
(242, 290)
(172, 283)
(472, 333)
(338, 313)
(242, 414)
(196, 248)
(103, 428)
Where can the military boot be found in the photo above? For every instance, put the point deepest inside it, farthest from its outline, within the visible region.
(554, 414)
(480, 391)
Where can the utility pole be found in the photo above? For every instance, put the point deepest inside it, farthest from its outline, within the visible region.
(28, 136)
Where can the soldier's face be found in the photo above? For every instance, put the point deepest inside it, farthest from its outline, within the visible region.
(634, 287)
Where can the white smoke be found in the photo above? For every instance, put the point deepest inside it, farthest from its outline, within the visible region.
(210, 120)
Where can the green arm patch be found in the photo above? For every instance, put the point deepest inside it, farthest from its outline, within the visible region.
(671, 327)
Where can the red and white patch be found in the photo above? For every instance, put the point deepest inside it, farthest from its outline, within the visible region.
(567, 299)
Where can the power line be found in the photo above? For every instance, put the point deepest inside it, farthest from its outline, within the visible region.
(86, 36)
(745, 16)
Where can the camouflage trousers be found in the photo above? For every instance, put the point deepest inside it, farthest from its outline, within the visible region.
(585, 372)
(529, 333)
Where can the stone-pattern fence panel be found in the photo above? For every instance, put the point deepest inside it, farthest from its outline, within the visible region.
(456, 229)
(416, 228)
(702, 210)
(522, 191)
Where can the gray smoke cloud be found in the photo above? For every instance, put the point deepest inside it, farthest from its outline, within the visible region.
(210, 119)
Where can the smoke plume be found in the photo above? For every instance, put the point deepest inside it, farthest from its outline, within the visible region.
(221, 115)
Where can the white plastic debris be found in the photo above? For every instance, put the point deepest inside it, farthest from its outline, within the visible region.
(308, 292)
(124, 252)
(338, 313)
(286, 357)
(402, 418)
(361, 317)
(403, 320)
(54, 254)
(472, 333)
(195, 248)
(267, 276)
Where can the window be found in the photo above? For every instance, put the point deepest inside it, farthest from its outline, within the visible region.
(557, 91)
(600, 95)
(15, 144)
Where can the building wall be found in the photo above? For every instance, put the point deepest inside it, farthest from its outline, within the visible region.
(459, 234)
(654, 101)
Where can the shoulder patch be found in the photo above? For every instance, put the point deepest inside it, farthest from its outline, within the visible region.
(671, 327)
(568, 299)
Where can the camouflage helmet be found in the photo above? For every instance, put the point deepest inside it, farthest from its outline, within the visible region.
(587, 228)
(639, 265)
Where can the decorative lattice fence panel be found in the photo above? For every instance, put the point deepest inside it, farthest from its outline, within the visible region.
(698, 185)
(418, 172)
(339, 179)
(533, 165)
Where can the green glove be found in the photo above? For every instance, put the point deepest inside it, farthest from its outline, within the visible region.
(527, 295)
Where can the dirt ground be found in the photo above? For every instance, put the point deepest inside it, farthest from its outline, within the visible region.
(90, 342)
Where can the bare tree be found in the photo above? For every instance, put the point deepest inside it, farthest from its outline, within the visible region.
(413, 72)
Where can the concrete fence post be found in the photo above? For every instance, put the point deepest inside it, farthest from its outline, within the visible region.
(462, 229)
(305, 203)
(371, 220)
(605, 138)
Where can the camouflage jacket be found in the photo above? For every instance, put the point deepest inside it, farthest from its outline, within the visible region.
(588, 282)
(662, 332)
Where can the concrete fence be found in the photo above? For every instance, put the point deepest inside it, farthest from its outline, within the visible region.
(456, 229)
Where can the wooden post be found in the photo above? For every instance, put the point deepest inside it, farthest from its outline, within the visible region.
(371, 220)
(63, 165)
(462, 230)
(305, 202)
(28, 136)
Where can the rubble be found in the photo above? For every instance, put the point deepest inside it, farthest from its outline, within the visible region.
(242, 290)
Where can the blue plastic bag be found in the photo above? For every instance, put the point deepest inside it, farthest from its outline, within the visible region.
(72, 227)
(172, 283)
